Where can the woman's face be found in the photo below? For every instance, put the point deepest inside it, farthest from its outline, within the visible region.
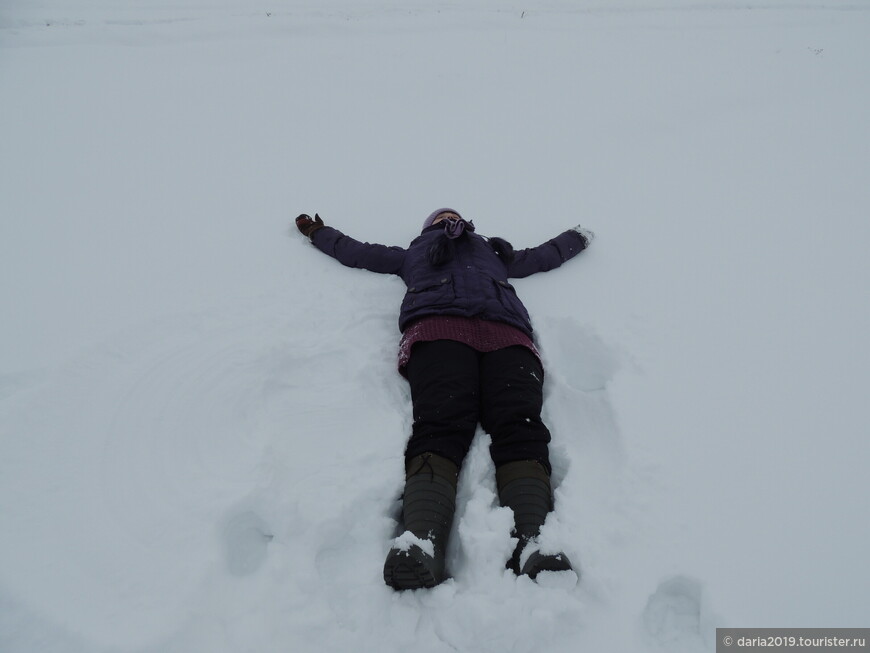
(445, 216)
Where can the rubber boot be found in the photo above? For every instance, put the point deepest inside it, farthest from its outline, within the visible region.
(524, 487)
(428, 505)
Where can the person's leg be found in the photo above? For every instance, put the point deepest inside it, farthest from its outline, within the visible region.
(511, 387)
(445, 393)
(524, 487)
(444, 389)
(428, 504)
(511, 403)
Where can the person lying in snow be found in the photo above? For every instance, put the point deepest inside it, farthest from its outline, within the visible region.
(468, 355)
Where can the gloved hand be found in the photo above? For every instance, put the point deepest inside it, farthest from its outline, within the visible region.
(587, 234)
(308, 226)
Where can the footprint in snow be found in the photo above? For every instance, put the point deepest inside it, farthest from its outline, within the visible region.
(246, 542)
(673, 616)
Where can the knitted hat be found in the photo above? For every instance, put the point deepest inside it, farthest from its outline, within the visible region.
(435, 214)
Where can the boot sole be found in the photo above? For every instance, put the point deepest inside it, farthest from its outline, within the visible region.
(410, 570)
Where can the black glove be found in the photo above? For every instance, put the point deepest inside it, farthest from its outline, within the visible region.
(307, 226)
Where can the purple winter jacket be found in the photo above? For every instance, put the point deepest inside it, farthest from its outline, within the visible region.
(473, 284)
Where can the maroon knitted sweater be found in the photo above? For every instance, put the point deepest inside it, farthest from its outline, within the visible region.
(482, 335)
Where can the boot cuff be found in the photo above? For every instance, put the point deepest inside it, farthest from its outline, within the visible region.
(520, 469)
(432, 463)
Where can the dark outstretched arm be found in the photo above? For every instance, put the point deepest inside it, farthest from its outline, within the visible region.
(356, 254)
(550, 254)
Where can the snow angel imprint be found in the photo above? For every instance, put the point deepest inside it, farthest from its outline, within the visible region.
(468, 354)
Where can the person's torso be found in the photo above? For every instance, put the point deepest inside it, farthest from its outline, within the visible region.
(472, 283)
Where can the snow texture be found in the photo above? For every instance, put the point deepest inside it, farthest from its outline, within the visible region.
(407, 539)
(201, 424)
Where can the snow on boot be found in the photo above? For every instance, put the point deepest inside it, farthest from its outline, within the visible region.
(417, 557)
(524, 487)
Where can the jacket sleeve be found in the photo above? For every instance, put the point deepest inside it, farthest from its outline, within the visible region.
(356, 254)
(547, 256)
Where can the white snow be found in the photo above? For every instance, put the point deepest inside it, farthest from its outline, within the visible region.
(201, 425)
(407, 539)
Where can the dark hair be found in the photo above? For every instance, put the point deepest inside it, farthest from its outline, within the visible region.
(503, 248)
(443, 250)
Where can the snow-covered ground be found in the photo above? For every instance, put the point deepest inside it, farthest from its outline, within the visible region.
(201, 426)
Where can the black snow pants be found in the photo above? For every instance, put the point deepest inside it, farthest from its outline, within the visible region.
(453, 387)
